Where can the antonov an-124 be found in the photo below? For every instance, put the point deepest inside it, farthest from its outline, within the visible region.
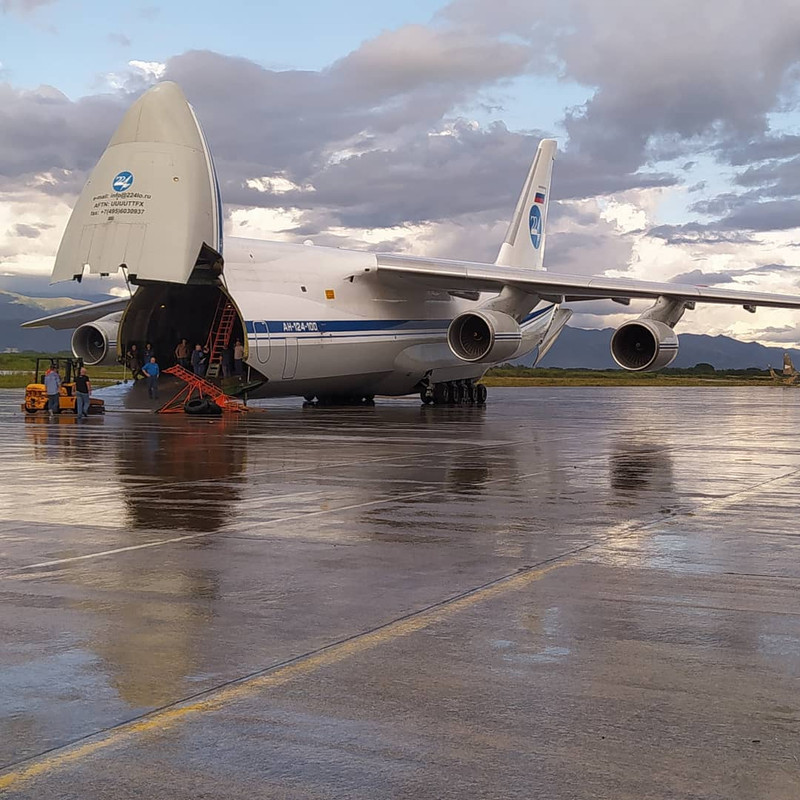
(318, 322)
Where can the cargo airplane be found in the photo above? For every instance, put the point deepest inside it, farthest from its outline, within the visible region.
(318, 322)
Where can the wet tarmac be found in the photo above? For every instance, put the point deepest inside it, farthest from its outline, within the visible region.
(570, 593)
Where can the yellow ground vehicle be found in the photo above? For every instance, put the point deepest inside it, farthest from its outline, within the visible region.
(68, 368)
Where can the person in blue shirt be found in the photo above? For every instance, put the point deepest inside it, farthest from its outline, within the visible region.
(152, 372)
(198, 361)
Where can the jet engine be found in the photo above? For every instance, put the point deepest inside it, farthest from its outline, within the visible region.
(96, 342)
(642, 345)
(484, 336)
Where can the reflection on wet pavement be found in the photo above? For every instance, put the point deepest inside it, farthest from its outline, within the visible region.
(564, 594)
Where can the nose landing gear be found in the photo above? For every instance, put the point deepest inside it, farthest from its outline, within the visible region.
(454, 393)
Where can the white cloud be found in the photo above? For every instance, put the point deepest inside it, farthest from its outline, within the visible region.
(153, 70)
(277, 184)
(23, 254)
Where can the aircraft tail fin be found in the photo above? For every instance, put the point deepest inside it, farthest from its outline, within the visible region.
(151, 204)
(525, 238)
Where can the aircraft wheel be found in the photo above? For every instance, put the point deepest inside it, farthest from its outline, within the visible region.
(426, 397)
(481, 393)
(200, 406)
(469, 393)
(309, 398)
(441, 393)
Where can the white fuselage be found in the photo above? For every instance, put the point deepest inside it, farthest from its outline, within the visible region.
(319, 321)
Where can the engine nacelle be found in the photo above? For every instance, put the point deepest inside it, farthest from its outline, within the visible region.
(642, 345)
(484, 336)
(96, 342)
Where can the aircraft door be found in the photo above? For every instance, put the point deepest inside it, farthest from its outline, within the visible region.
(290, 364)
(261, 330)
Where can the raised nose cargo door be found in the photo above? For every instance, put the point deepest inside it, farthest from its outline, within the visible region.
(151, 202)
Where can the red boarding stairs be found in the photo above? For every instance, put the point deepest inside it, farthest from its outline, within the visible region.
(204, 389)
(219, 337)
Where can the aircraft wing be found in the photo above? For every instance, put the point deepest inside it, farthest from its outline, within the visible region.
(467, 276)
(78, 316)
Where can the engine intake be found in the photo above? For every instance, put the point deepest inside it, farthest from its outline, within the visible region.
(643, 345)
(484, 336)
(96, 342)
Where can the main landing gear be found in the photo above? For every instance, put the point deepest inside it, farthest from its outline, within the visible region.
(456, 393)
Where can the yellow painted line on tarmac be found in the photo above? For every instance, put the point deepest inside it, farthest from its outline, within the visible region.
(163, 719)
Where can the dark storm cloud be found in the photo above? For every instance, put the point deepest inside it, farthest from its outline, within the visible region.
(359, 131)
(378, 104)
(773, 215)
(28, 231)
(695, 233)
(44, 131)
(699, 278)
(670, 82)
(383, 109)
(786, 334)
(763, 148)
(660, 68)
(775, 179)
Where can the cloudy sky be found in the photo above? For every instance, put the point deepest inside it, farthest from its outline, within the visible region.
(409, 126)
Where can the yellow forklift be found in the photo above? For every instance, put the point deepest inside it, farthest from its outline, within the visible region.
(68, 369)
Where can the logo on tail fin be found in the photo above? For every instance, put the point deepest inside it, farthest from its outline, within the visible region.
(535, 224)
(122, 182)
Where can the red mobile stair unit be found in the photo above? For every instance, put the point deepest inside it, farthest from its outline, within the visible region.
(205, 390)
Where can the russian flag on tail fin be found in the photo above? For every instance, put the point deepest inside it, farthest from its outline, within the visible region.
(523, 245)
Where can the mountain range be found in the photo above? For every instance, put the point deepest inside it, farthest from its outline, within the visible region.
(576, 348)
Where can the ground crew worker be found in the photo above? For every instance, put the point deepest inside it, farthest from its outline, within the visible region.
(152, 371)
(52, 387)
(198, 361)
(227, 362)
(83, 392)
(238, 356)
(182, 353)
(134, 361)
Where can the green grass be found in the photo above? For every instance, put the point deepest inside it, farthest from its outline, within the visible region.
(701, 375)
(23, 365)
